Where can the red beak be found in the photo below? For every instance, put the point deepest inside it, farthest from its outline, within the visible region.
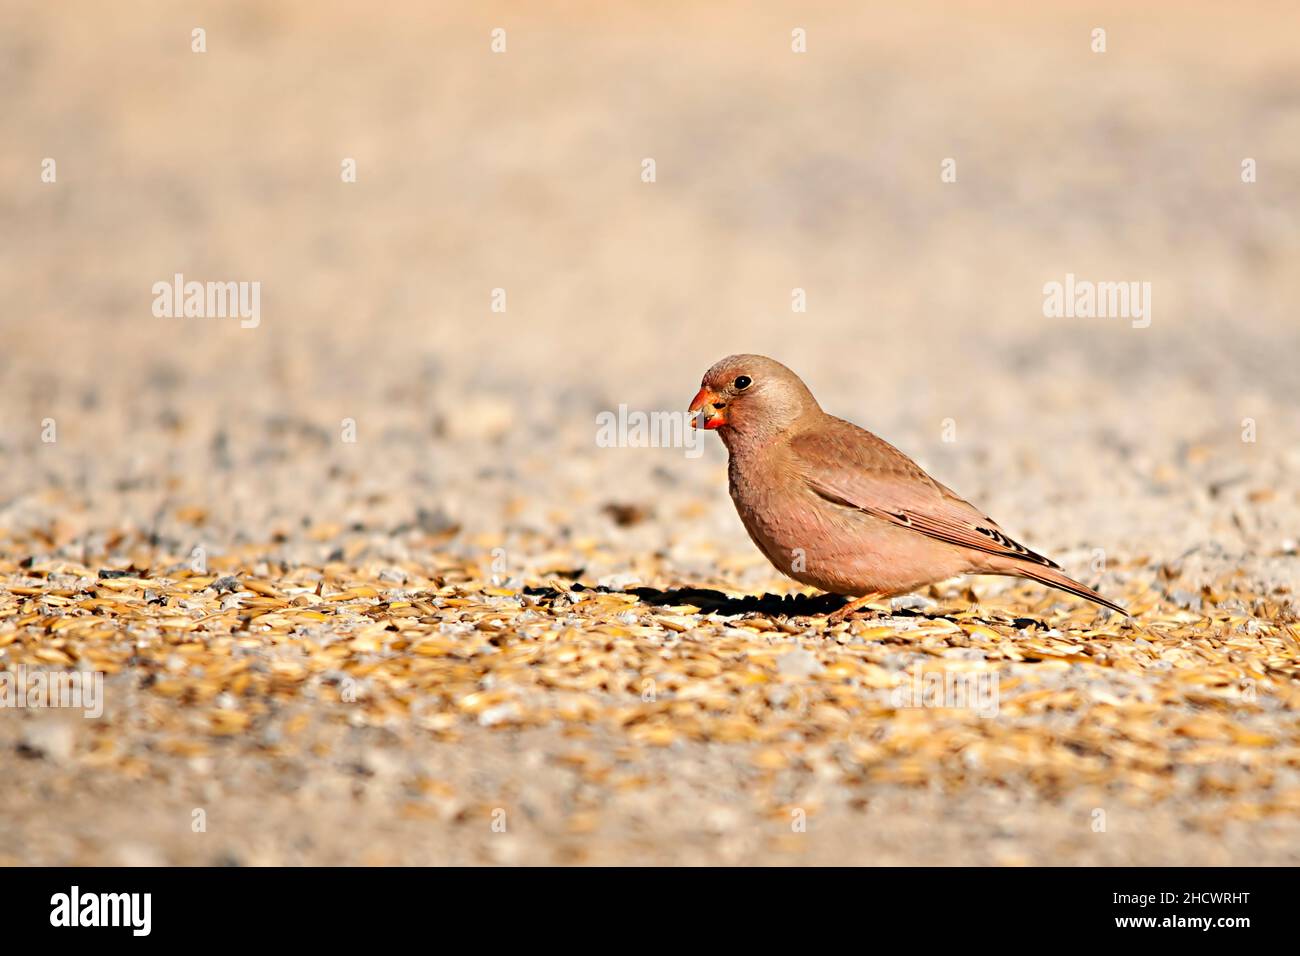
(710, 403)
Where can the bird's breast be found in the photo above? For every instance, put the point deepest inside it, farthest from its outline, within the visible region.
(778, 510)
(826, 545)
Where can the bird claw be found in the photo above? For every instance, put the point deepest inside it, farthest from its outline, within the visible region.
(852, 609)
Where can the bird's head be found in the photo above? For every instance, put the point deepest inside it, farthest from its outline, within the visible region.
(751, 396)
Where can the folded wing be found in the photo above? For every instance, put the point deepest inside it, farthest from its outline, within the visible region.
(851, 467)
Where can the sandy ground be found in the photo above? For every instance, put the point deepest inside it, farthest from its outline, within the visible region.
(1171, 452)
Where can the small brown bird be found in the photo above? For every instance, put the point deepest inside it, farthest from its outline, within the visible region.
(833, 506)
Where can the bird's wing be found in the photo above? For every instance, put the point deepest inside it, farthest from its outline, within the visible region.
(851, 467)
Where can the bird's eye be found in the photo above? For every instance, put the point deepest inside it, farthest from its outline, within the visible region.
(742, 383)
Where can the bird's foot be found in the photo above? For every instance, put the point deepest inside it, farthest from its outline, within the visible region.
(853, 607)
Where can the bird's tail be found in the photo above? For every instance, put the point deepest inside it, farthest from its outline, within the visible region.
(1055, 578)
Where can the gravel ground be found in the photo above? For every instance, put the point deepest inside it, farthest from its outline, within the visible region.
(356, 619)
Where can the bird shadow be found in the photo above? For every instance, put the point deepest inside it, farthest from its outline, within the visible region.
(711, 601)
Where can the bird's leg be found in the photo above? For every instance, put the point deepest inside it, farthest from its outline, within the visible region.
(857, 604)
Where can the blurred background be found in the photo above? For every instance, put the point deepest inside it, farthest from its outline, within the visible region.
(522, 171)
